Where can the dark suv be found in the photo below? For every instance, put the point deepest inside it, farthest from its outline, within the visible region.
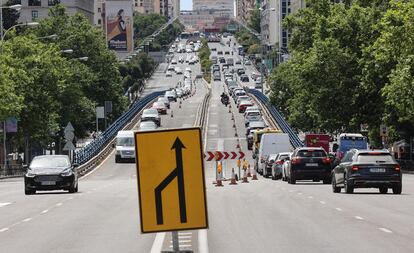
(309, 164)
(367, 169)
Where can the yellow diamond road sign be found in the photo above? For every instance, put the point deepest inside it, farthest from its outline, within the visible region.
(171, 183)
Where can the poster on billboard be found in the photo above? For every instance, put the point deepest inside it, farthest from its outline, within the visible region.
(119, 25)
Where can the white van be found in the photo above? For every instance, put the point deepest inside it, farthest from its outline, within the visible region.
(125, 146)
(271, 143)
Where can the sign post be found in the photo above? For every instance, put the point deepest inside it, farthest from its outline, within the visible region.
(171, 190)
(69, 136)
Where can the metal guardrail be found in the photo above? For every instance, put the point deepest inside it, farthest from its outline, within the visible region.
(202, 110)
(277, 116)
(99, 148)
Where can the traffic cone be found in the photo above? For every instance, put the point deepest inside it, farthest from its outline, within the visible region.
(179, 106)
(233, 178)
(235, 134)
(229, 108)
(238, 145)
(232, 116)
(249, 174)
(219, 182)
(245, 177)
(254, 175)
(172, 115)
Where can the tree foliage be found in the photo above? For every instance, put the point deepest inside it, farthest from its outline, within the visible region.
(254, 22)
(351, 63)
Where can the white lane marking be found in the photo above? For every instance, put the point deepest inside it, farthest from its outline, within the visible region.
(213, 125)
(338, 209)
(385, 230)
(182, 241)
(4, 204)
(185, 233)
(300, 193)
(157, 245)
(3, 230)
(322, 202)
(202, 241)
(183, 246)
(59, 204)
(45, 211)
(310, 197)
(358, 217)
(27, 219)
(69, 198)
(184, 236)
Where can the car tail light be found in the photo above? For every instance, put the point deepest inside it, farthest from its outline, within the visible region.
(355, 168)
(296, 160)
(326, 160)
(397, 167)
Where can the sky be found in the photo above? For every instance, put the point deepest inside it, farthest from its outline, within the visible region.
(186, 5)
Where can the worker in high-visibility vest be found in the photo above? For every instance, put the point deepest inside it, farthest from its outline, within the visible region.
(238, 163)
(219, 168)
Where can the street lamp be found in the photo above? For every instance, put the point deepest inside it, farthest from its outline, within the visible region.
(52, 36)
(67, 51)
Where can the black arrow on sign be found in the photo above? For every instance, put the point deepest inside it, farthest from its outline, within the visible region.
(179, 173)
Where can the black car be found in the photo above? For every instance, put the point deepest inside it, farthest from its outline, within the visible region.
(50, 172)
(244, 78)
(222, 60)
(241, 71)
(367, 169)
(309, 164)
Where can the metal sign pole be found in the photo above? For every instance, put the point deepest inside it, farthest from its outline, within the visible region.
(4, 144)
(176, 243)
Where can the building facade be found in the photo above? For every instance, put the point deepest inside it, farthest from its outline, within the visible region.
(274, 36)
(205, 19)
(37, 9)
(173, 8)
(226, 5)
(144, 6)
(244, 9)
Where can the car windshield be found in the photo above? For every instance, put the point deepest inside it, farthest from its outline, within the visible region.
(50, 162)
(125, 141)
(158, 104)
(253, 114)
(370, 158)
(311, 153)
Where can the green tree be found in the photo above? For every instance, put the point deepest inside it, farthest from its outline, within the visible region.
(10, 100)
(254, 22)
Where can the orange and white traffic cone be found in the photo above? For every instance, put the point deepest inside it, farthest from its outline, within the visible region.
(254, 175)
(249, 174)
(245, 177)
(233, 178)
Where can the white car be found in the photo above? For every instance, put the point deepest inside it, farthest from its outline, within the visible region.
(168, 74)
(147, 125)
(188, 69)
(170, 68)
(178, 71)
(173, 61)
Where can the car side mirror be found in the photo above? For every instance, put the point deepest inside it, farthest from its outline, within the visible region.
(75, 165)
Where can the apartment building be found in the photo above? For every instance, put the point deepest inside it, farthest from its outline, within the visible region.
(37, 9)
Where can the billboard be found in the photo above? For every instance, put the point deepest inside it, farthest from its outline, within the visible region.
(119, 25)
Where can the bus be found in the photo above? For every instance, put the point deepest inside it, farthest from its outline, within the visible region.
(347, 141)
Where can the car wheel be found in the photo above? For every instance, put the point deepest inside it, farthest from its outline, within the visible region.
(117, 160)
(73, 189)
(29, 191)
(292, 180)
(349, 188)
(383, 190)
(397, 189)
(335, 189)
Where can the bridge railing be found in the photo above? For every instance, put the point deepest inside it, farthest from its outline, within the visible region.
(284, 126)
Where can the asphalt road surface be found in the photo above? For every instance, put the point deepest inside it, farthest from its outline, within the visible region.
(259, 216)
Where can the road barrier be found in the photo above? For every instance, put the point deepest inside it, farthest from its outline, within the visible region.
(93, 153)
(277, 116)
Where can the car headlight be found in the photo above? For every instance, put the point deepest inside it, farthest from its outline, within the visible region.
(30, 174)
(66, 173)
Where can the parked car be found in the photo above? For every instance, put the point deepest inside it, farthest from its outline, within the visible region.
(171, 96)
(309, 163)
(168, 74)
(277, 166)
(244, 104)
(151, 114)
(367, 169)
(51, 172)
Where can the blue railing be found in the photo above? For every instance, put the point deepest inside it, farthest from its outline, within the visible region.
(92, 149)
(280, 120)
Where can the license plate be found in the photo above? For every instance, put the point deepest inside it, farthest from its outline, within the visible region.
(48, 183)
(377, 170)
(311, 164)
